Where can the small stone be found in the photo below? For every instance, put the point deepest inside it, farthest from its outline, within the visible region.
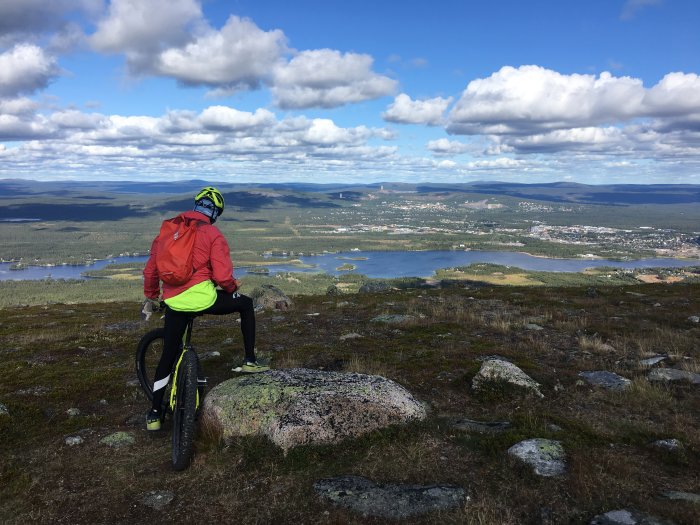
(210, 355)
(682, 496)
(229, 341)
(482, 427)
(3, 410)
(554, 428)
(352, 335)
(133, 383)
(627, 517)
(694, 319)
(118, 440)
(533, 326)
(651, 361)
(545, 456)
(497, 370)
(103, 402)
(73, 412)
(673, 374)
(392, 319)
(671, 444)
(74, 440)
(657, 305)
(157, 499)
(393, 501)
(605, 379)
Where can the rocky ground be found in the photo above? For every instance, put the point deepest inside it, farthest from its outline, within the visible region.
(547, 405)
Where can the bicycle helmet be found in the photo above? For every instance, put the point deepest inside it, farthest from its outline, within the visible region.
(210, 202)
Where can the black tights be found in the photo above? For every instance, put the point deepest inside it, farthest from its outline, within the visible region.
(176, 323)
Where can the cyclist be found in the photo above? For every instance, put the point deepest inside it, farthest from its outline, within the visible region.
(212, 266)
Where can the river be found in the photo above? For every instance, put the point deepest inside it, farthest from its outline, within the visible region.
(380, 264)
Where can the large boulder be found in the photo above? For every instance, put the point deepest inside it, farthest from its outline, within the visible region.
(270, 297)
(301, 406)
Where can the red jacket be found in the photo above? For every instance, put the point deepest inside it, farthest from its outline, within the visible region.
(212, 261)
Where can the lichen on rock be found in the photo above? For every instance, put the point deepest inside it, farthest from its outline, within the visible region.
(500, 371)
(301, 406)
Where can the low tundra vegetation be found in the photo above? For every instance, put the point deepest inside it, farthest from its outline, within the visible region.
(80, 356)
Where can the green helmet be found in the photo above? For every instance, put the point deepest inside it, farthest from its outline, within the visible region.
(210, 202)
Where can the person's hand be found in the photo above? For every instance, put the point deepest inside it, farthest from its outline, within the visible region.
(238, 284)
(149, 306)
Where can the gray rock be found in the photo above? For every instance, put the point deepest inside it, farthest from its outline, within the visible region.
(71, 441)
(627, 517)
(73, 412)
(482, 427)
(497, 370)
(651, 361)
(333, 290)
(270, 297)
(393, 319)
(352, 335)
(300, 406)
(157, 499)
(388, 500)
(545, 456)
(210, 355)
(33, 391)
(533, 326)
(672, 444)
(118, 440)
(694, 319)
(682, 496)
(3, 410)
(673, 374)
(605, 379)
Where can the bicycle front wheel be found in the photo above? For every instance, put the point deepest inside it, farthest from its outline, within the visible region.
(148, 353)
(185, 411)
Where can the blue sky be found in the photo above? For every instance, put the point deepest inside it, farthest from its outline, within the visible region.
(602, 91)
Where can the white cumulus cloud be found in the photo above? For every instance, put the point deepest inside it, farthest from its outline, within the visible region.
(404, 110)
(143, 28)
(327, 78)
(447, 147)
(240, 54)
(230, 119)
(26, 18)
(24, 69)
(534, 99)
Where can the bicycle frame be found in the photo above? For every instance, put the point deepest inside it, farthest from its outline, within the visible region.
(186, 346)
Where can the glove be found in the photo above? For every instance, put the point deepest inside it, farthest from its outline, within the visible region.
(149, 306)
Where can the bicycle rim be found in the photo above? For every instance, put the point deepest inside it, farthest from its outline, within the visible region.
(185, 411)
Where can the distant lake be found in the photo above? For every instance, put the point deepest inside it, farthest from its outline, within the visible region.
(379, 264)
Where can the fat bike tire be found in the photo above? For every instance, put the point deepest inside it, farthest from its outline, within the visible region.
(185, 411)
(148, 353)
